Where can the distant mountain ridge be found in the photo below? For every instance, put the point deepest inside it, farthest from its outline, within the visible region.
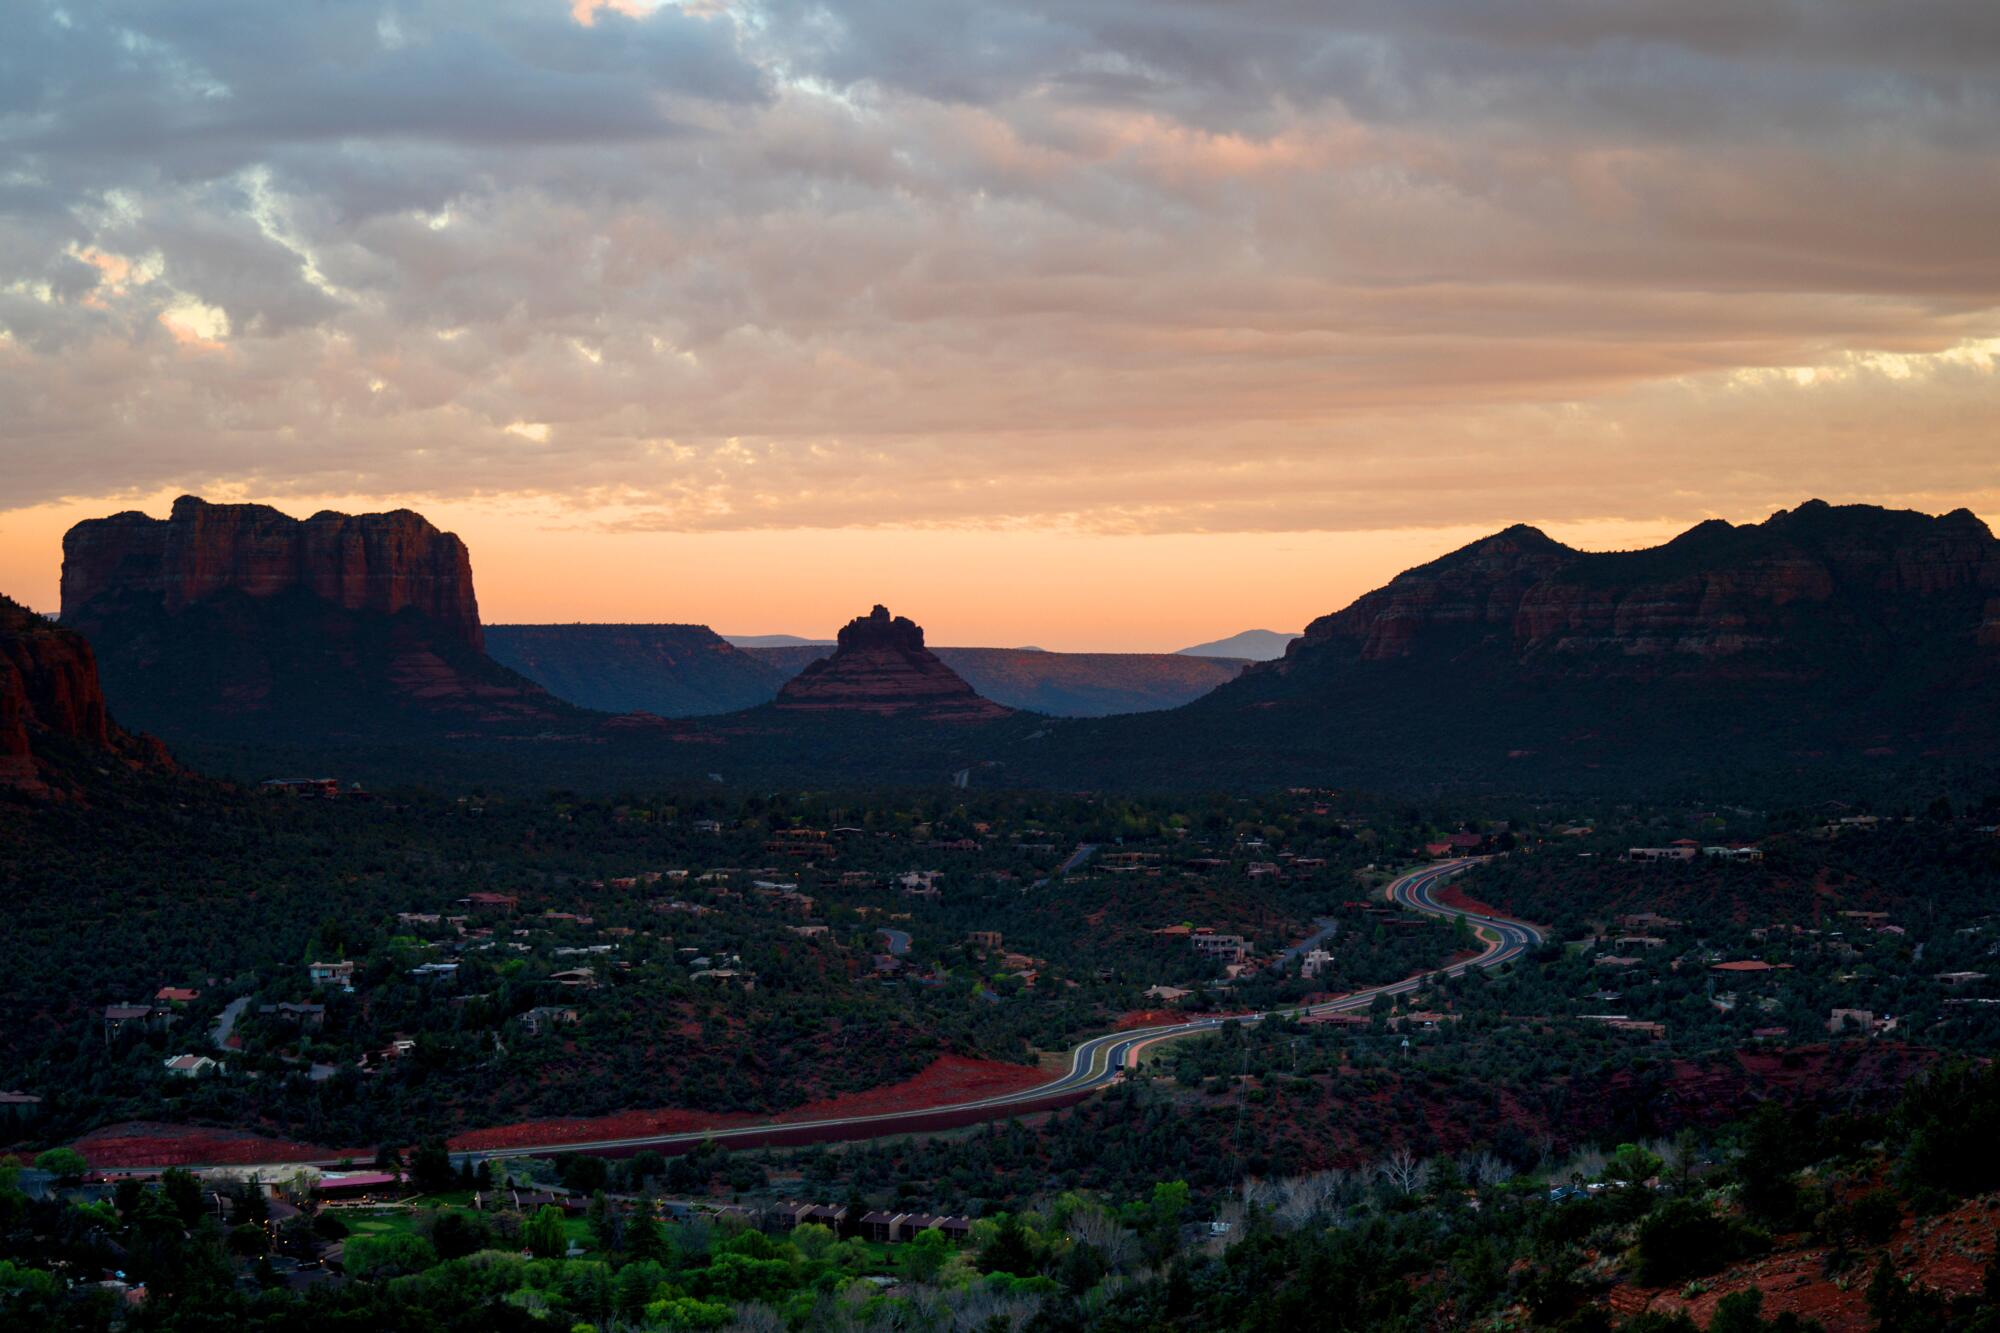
(1824, 636)
(669, 670)
(1063, 684)
(1255, 645)
(776, 641)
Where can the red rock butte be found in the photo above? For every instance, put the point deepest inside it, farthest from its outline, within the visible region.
(49, 688)
(361, 562)
(881, 666)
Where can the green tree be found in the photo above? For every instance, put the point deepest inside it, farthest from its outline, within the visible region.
(387, 1255)
(63, 1163)
(925, 1254)
(643, 1238)
(603, 1223)
(543, 1234)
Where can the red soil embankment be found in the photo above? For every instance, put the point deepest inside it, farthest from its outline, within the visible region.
(144, 1143)
(946, 1080)
(1453, 896)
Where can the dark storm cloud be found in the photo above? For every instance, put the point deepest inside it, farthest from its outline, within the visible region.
(1136, 264)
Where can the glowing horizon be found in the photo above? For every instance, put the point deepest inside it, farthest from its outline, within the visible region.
(1121, 325)
(968, 587)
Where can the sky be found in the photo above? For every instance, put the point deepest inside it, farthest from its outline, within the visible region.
(1113, 324)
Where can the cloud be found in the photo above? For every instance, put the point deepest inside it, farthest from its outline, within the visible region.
(1171, 266)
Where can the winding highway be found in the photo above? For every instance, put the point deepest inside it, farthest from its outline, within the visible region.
(1096, 1062)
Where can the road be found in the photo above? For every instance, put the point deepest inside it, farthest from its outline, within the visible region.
(1094, 1063)
(1326, 930)
(225, 1023)
(1098, 1061)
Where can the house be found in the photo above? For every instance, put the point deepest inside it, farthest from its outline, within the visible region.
(1679, 851)
(1840, 1020)
(577, 976)
(191, 1066)
(339, 974)
(1733, 853)
(502, 903)
(1315, 962)
(117, 1017)
(723, 976)
(1229, 948)
(1167, 994)
(175, 995)
(326, 788)
(907, 1225)
(825, 1214)
(983, 939)
(545, 1016)
(19, 1105)
(708, 826)
(301, 1015)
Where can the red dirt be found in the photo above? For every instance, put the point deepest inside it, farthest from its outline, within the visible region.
(1946, 1253)
(573, 1129)
(1453, 896)
(145, 1143)
(949, 1078)
(1145, 1018)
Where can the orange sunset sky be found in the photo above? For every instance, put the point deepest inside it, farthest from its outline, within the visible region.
(1110, 325)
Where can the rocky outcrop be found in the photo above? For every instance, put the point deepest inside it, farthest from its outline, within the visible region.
(1768, 659)
(880, 666)
(385, 563)
(240, 625)
(1770, 599)
(50, 696)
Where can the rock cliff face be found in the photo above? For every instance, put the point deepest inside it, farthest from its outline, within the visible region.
(1793, 597)
(881, 666)
(384, 563)
(1822, 643)
(50, 696)
(238, 624)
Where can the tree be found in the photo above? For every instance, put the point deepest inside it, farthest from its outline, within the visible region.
(543, 1235)
(387, 1255)
(63, 1163)
(925, 1254)
(1404, 1172)
(643, 1238)
(430, 1168)
(814, 1239)
(183, 1194)
(1632, 1165)
(603, 1223)
(637, 1285)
